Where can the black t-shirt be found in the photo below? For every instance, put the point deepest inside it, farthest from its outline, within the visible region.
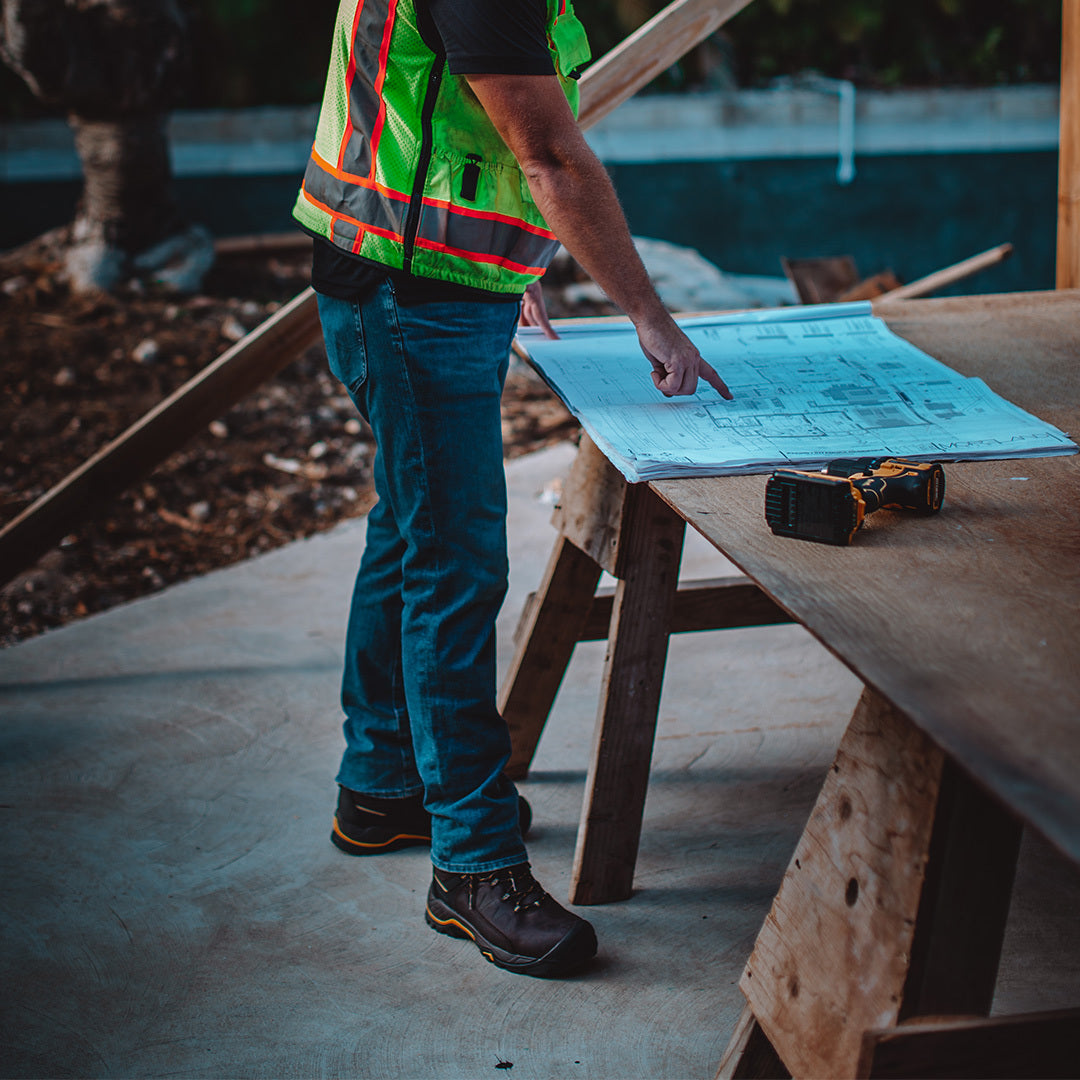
(481, 37)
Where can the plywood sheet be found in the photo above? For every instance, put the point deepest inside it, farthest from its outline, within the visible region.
(967, 621)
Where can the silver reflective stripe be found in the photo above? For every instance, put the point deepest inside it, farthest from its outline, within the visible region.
(363, 100)
(363, 204)
(466, 234)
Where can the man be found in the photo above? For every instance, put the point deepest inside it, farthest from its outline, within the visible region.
(446, 161)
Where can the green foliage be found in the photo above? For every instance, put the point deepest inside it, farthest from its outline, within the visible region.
(881, 43)
(917, 43)
(274, 52)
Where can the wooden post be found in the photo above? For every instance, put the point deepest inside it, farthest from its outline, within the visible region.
(649, 551)
(965, 902)
(1068, 234)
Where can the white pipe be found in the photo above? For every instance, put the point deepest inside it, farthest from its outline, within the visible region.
(845, 168)
(845, 136)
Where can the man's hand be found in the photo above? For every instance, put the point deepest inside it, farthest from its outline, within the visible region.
(676, 363)
(533, 311)
(574, 193)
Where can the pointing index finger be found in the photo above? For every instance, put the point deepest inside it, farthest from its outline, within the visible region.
(708, 373)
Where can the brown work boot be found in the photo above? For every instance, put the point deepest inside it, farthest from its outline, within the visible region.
(514, 923)
(367, 825)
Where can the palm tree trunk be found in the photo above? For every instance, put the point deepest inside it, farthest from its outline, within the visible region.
(114, 66)
(127, 204)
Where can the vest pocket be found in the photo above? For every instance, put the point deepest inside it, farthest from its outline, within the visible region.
(571, 44)
(470, 177)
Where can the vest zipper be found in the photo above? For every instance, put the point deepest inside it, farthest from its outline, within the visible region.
(416, 197)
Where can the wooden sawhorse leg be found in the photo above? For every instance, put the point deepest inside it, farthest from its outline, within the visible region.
(651, 542)
(893, 908)
(605, 523)
(550, 627)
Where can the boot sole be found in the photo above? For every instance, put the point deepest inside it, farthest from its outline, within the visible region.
(395, 842)
(343, 842)
(573, 951)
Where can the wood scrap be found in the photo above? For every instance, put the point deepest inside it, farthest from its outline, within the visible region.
(951, 274)
(820, 280)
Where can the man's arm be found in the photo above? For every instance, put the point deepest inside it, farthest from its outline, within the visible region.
(577, 200)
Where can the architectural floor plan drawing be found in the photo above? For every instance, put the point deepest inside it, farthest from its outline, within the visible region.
(810, 383)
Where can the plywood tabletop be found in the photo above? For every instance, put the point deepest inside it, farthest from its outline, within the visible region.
(968, 621)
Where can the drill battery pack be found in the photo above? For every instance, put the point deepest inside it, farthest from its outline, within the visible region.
(829, 507)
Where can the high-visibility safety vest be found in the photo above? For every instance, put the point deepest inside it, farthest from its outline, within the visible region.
(408, 171)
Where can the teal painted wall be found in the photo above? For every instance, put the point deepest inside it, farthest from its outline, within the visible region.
(911, 213)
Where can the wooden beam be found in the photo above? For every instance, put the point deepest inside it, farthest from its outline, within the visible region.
(652, 48)
(590, 509)
(263, 242)
(1033, 1045)
(709, 604)
(238, 371)
(1068, 231)
(949, 274)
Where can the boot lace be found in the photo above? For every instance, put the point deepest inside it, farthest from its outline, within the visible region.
(519, 887)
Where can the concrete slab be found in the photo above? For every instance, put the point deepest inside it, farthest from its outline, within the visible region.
(171, 906)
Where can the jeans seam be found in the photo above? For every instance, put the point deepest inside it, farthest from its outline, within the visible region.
(421, 472)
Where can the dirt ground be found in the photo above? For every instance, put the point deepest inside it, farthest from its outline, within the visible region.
(290, 460)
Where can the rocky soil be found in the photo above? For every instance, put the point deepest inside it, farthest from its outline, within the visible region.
(290, 460)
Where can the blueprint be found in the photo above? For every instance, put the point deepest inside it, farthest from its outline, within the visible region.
(810, 383)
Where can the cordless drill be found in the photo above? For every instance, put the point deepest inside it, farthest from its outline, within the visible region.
(829, 507)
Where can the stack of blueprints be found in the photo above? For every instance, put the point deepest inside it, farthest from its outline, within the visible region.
(811, 384)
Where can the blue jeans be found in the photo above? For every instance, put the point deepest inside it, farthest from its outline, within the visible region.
(419, 683)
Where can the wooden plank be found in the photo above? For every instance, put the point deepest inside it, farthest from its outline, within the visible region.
(1068, 228)
(965, 902)
(710, 604)
(966, 621)
(1032, 1045)
(590, 508)
(651, 547)
(832, 958)
(648, 51)
(949, 275)
(547, 639)
(135, 452)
